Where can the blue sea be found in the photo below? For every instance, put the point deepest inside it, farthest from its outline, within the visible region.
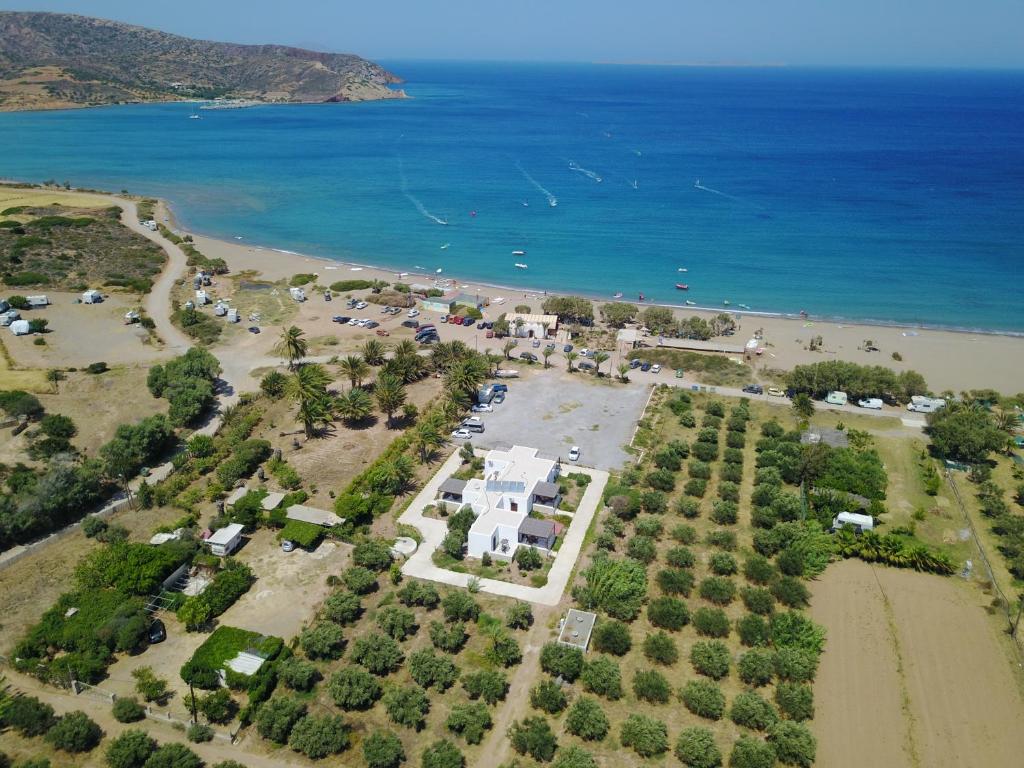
(858, 194)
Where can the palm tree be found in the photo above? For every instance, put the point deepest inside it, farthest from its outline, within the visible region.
(507, 348)
(548, 352)
(355, 369)
(392, 476)
(407, 368)
(405, 348)
(803, 406)
(373, 352)
(425, 438)
(54, 376)
(570, 357)
(1005, 421)
(354, 406)
(599, 357)
(623, 372)
(447, 353)
(292, 345)
(390, 395)
(465, 376)
(308, 387)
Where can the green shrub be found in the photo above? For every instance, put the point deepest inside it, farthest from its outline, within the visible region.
(419, 593)
(489, 685)
(758, 600)
(748, 752)
(661, 480)
(587, 720)
(443, 754)
(680, 557)
(128, 710)
(675, 581)
(791, 592)
(460, 606)
(795, 630)
(383, 749)
(519, 616)
(612, 637)
(324, 640)
(407, 705)
(753, 630)
(668, 613)
(751, 711)
(504, 650)
(642, 549)
(793, 743)
(795, 700)
(353, 688)
(448, 637)
(650, 685)
(74, 732)
(688, 508)
(725, 511)
(470, 720)
(396, 622)
(573, 757)
(646, 736)
(318, 736)
(696, 748)
(533, 737)
(699, 469)
(711, 622)
(796, 665)
(429, 669)
(380, 654)
(603, 677)
(718, 590)
(649, 526)
(703, 698)
(723, 564)
(218, 706)
(547, 695)
(561, 661)
(130, 749)
(710, 658)
(278, 716)
(29, 716)
(173, 755)
(757, 667)
(758, 569)
(297, 674)
(199, 733)
(695, 488)
(661, 649)
(684, 534)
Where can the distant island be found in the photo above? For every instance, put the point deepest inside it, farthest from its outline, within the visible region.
(57, 61)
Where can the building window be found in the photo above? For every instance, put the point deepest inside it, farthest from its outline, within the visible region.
(515, 506)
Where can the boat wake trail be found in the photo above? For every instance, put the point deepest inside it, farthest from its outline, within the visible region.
(698, 185)
(552, 200)
(580, 169)
(415, 200)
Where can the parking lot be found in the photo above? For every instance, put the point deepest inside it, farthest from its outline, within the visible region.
(552, 411)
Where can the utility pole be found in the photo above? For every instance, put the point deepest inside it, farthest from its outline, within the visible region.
(192, 698)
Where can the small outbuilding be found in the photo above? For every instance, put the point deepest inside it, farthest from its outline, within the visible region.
(858, 522)
(225, 540)
(577, 626)
(314, 516)
(92, 297)
(297, 293)
(20, 328)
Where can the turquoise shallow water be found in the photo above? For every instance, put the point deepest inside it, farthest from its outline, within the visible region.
(868, 195)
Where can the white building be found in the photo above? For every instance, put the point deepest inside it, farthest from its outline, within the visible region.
(38, 301)
(92, 297)
(20, 328)
(532, 326)
(513, 482)
(297, 293)
(225, 540)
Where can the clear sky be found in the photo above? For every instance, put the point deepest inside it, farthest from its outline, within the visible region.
(943, 33)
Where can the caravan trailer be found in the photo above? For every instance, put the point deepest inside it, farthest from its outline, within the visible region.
(858, 522)
(921, 404)
(836, 398)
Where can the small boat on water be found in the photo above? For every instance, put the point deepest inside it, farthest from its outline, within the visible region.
(520, 266)
(438, 270)
(725, 303)
(682, 269)
(195, 117)
(618, 295)
(691, 303)
(552, 203)
(518, 253)
(641, 297)
(446, 246)
(682, 287)
(743, 306)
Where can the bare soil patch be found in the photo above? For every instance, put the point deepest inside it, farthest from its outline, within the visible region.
(915, 673)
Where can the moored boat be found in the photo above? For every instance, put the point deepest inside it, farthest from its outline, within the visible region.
(682, 287)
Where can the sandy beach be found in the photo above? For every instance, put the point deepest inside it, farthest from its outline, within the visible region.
(949, 360)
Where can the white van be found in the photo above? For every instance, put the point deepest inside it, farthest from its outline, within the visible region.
(926, 404)
(836, 398)
(858, 522)
(872, 403)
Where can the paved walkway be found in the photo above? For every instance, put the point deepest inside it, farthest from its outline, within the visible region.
(421, 565)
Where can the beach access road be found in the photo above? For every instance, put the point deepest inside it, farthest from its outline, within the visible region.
(552, 410)
(420, 565)
(667, 377)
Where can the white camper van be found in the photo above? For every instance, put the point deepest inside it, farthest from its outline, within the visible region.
(921, 404)
(858, 522)
(836, 398)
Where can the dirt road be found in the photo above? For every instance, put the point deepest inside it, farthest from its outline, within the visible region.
(915, 674)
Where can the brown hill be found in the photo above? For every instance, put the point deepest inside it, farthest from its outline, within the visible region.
(52, 60)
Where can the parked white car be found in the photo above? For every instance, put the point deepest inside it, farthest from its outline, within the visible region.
(482, 408)
(361, 305)
(574, 453)
(656, 368)
(414, 313)
(362, 323)
(353, 321)
(462, 434)
(874, 403)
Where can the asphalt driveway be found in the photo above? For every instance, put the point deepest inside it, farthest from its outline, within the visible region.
(552, 411)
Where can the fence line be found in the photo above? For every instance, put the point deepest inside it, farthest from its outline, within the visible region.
(1007, 605)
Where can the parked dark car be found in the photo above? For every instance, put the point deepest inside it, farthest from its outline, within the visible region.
(754, 389)
(342, 319)
(467, 322)
(372, 324)
(567, 348)
(254, 329)
(634, 363)
(645, 366)
(528, 356)
(481, 326)
(499, 388)
(489, 325)
(411, 324)
(157, 632)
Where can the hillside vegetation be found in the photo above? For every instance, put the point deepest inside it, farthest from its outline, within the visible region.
(51, 60)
